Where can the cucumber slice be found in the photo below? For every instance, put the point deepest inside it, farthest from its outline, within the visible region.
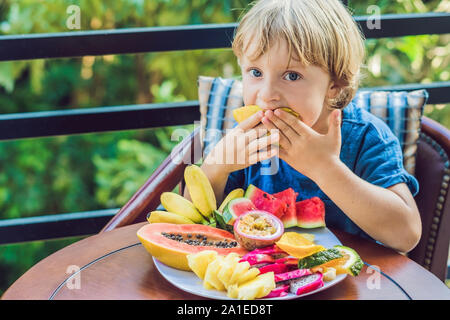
(353, 263)
(319, 258)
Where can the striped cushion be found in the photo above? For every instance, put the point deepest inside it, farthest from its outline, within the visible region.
(400, 110)
(217, 98)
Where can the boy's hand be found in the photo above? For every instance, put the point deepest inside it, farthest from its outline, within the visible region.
(244, 145)
(304, 149)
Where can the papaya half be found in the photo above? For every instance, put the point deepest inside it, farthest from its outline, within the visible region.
(171, 243)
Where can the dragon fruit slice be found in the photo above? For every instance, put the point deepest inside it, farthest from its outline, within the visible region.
(260, 265)
(288, 260)
(306, 283)
(274, 267)
(279, 291)
(257, 258)
(292, 274)
(273, 249)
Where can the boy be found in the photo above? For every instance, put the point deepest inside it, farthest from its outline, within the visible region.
(306, 55)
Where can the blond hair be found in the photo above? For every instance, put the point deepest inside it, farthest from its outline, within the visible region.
(320, 32)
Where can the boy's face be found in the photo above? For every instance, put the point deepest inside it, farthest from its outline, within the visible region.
(271, 83)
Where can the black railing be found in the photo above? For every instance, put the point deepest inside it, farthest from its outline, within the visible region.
(51, 123)
(137, 40)
(206, 36)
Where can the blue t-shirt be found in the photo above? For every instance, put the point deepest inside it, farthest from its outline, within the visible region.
(369, 149)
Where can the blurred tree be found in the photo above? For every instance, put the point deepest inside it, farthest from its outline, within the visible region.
(97, 171)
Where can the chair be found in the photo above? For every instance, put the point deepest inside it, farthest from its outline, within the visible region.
(433, 199)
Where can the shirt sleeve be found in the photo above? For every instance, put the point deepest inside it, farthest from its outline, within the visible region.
(380, 160)
(235, 180)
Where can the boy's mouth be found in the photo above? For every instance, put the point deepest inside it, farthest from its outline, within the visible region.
(287, 109)
(290, 111)
(240, 114)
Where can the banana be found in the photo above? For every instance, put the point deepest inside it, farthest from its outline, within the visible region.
(236, 193)
(168, 217)
(175, 203)
(200, 190)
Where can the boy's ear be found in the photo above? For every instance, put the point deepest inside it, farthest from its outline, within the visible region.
(333, 90)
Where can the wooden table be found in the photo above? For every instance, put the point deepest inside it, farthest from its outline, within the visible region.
(114, 265)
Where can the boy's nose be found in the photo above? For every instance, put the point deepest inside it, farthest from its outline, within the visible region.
(269, 97)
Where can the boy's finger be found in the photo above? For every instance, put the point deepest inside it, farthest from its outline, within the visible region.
(334, 124)
(284, 141)
(263, 143)
(261, 130)
(296, 124)
(262, 155)
(252, 133)
(251, 121)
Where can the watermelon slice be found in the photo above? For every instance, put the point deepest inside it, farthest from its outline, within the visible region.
(235, 208)
(310, 213)
(265, 201)
(289, 217)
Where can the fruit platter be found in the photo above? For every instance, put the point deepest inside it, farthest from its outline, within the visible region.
(255, 245)
(190, 282)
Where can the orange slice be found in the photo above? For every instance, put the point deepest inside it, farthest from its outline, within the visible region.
(298, 245)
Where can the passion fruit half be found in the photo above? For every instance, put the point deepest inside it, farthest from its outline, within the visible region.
(257, 229)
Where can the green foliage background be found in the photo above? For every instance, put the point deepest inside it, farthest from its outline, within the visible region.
(98, 171)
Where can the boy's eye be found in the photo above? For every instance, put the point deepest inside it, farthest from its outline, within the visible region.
(255, 73)
(292, 76)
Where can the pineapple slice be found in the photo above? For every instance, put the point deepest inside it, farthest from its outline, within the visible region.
(239, 270)
(198, 262)
(227, 268)
(211, 279)
(208, 286)
(251, 274)
(232, 291)
(256, 288)
(227, 273)
(232, 256)
(329, 274)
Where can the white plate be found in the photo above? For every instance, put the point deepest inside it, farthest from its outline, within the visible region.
(189, 282)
